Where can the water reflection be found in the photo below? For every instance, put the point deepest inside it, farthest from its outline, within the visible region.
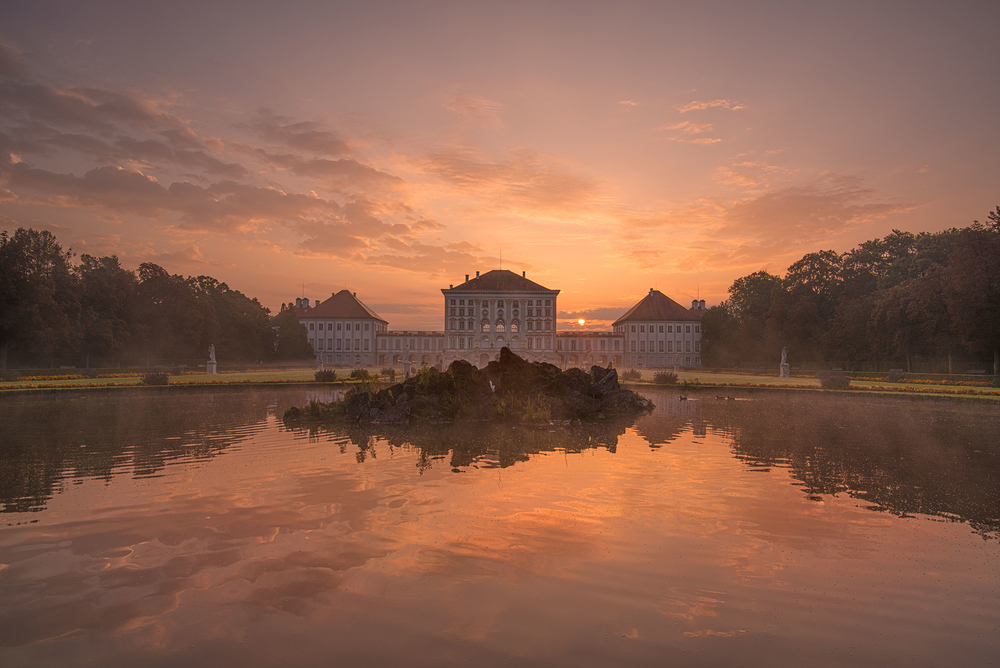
(902, 456)
(204, 532)
(47, 439)
(478, 445)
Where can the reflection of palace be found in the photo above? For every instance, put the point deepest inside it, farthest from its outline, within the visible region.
(497, 309)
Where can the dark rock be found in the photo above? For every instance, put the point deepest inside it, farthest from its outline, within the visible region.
(509, 389)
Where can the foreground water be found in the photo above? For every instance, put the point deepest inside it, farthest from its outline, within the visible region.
(195, 529)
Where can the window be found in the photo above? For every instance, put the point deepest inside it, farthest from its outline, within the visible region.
(642, 328)
(642, 346)
(670, 329)
(661, 329)
(687, 346)
(427, 344)
(548, 311)
(319, 344)
(329, 325)
(461, 302)
(357, 344)
(572, 344)
(633, 328)
(617, 344)
(500, 303)
(687, 329)
(366, 326)
(339, 326)
(513, 327)
(559, 343)
(366, 344)
(697, 346)
(670, 346)
(633, 347)
(548, 302)
(604, 344)
(697, 328)
(531, 302)
(452, 312)
(661, 346)
(312, 326)
(531, 325)
(486, 326)
(340, 344)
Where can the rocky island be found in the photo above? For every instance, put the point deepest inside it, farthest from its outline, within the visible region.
(510, 389)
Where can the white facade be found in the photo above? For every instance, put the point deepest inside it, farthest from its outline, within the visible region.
(497, 309)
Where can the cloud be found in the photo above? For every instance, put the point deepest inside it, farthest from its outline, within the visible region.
(302, 135)
(629, 103)
(11, 62)
(522, 180)
(698, 105)
(748, 173)
(480, 109)
(712, 234)
(688, 127)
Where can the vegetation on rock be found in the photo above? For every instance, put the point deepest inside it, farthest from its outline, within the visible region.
(511, 389)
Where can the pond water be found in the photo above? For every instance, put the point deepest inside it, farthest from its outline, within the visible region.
(192, 528)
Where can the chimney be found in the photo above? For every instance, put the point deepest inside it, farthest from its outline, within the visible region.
(355, 295)
(523, 274)
(466, 278)
(450, 286)
(305, 302)
(694, 304)
(651, 291)
(477, 274)
(298, 302)
(702, 304)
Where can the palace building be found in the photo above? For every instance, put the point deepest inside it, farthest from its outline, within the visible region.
(501, 308)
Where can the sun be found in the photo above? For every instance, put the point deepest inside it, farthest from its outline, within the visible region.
(581, 321)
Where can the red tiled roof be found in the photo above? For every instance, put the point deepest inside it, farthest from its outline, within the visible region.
(343, 304)
(657, 306)
(499, 280)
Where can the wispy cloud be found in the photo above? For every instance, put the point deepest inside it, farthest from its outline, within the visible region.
(698, 105)
(479, 109)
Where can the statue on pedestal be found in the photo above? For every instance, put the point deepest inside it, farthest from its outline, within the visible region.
(785, 370)
(211, 366)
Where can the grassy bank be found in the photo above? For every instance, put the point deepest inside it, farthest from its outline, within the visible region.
(686, 380)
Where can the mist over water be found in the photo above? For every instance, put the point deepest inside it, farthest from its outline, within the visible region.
(771, 529)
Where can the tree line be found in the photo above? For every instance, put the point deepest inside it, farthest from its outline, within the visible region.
(919, 302)
(96, 312)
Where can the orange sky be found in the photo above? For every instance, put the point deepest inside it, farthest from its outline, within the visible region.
(395, 147)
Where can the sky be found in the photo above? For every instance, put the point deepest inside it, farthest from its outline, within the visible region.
(300, 148)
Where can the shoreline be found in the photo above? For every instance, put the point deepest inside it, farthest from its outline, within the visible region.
(950, 393)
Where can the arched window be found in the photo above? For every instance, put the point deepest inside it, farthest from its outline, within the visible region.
(486, 326)
(513, 326)
(500, 326)
(500, 343)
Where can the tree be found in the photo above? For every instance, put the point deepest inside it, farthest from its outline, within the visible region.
(972, 288)
(292, 342)
(37, 293)
(170, 322)
(108, 296)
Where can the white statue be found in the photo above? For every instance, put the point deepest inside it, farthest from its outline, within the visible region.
(784, 355)
(211, 352)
